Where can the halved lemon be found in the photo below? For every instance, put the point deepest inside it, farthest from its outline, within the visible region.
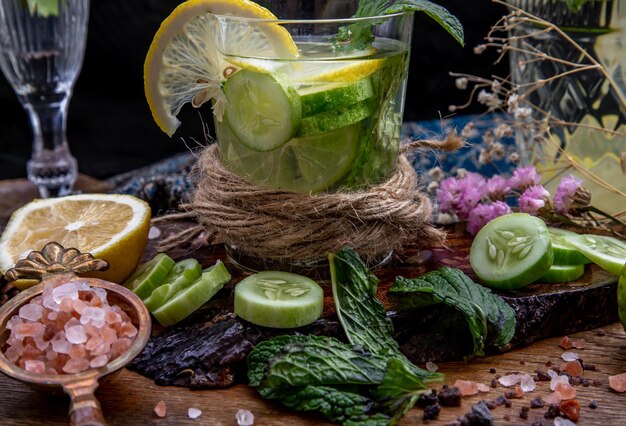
(109, 226)
(182, 65)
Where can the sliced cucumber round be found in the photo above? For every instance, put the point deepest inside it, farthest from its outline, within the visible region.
(264, 110)
(607, 252)
(335, 119)
(278, 299)
(190, 299)
(320, 97)
(563, 273)
(565, 254)
(150, 275)
(181, 276)
(512, 251)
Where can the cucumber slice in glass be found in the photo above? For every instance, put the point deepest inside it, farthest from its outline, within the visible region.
(607, 252)
(320, 97)
(512, 251)
(190, 299)
(335, 119)
(563, 273)
(149, 275)
(565, 254)
(181, 276)
(278, 299)
(263, 111)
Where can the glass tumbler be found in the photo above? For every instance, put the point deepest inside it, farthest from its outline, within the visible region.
(42, 45)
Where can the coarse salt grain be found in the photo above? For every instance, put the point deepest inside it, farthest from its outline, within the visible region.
(570, 356)
(556, 380)
(431, 366)
(194, 413)
(160, 409)
(618, 382)
(48, 334)
(244, 418)
(561, 421)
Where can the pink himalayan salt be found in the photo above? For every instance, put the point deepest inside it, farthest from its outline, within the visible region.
(573, 368)
(470, 387)
(618, 382)
(48, 334)
(579, 343)
(160, 409)
(565, 390)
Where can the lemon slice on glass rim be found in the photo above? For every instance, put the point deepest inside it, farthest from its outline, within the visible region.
(111, 227)
(182, 64)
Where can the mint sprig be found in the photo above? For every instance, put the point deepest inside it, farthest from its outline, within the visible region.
(359, 34)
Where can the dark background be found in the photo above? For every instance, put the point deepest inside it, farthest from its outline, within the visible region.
(110, 129)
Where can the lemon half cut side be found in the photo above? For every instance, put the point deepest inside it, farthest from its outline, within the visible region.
(111, 227)
(182, 64)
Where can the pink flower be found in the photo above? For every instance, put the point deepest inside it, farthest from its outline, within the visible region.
(497, 187)
(523, 177)
(461, 195)
(484, 213)
(570, 191)
(533, 199)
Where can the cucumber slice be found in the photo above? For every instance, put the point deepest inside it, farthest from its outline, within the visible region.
(563, 253)
(150, 275)
(512, 251)
(320, 97)
(563, 273)
(278, 299)
(190, 299)
(181, 276)
(310, 164)
(335, 119)
(607, 252)
(263, 111)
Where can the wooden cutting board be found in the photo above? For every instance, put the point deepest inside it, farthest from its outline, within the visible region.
(542, 310)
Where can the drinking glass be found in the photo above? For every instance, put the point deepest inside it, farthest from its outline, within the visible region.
(42, 45)
(593, 110)
(325, 120)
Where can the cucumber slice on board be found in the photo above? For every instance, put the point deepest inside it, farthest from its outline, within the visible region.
(149, 275)
(278, 299)
(563, 273)
(512, 251)
(319, 97)
(181, 276)
(607, 252)
(190, 299)
(565, 254)
(335, 119)
(264, 110)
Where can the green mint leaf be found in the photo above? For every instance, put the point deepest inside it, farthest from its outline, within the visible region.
(399, 389)
(488, 317)
(359, 34)
(362, 316)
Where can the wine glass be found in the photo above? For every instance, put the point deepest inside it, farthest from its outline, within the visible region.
(42, 44)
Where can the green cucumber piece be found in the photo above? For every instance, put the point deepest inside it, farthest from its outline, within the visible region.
(335, 119)
(190, 299)
(607, 252)
(149, 275)
(278, 299)
(181, 276)
(264, 110)
(564, 254)
(563, 273)
(320, 97)
(512, 251)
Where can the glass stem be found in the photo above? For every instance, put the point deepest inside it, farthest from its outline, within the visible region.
(51, 168)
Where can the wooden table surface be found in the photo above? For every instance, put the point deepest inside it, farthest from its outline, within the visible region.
(129, 398)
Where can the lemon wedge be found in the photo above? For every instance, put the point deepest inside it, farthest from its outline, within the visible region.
(109, 226)
(182, 65)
